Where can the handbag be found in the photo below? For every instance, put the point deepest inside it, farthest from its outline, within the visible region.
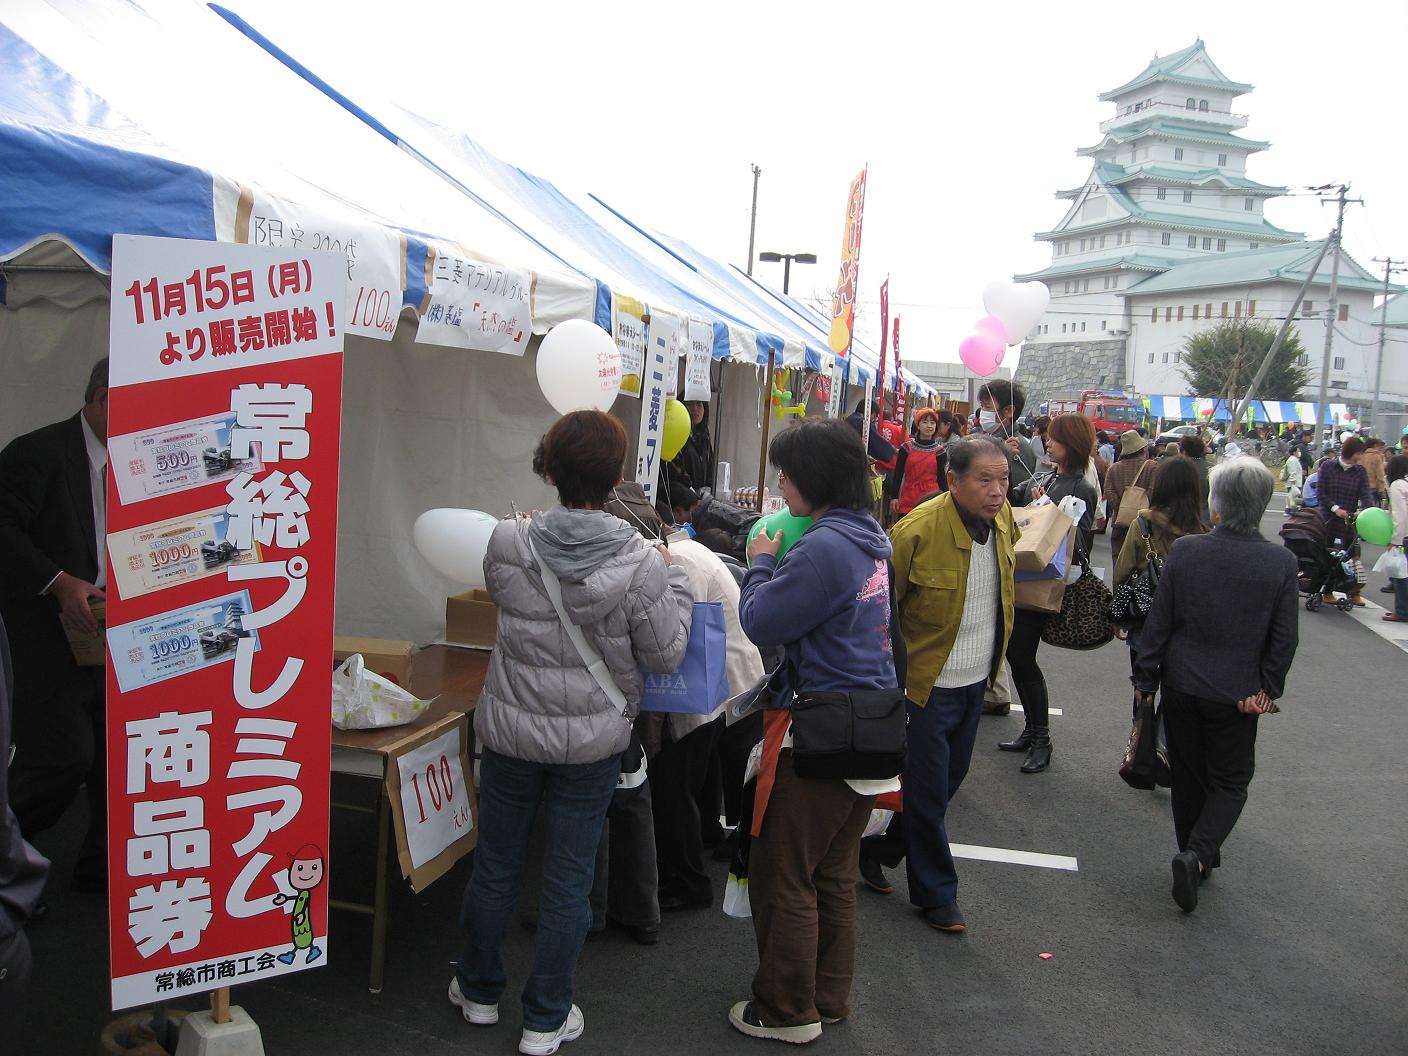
(700, 683)
(857, 735)
(1134, 499)
(1043, 529)
(1137, 768)
(1083, 622)
(1134, 597)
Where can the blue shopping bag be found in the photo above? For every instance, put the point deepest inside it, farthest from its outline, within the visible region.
(1056, 568)
(700, 683)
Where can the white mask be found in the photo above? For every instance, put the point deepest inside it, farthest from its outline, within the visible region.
(988, 421)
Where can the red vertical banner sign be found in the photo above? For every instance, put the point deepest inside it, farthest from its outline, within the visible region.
(884, 339)
(899, 378)
(223, 425)
(843, 301)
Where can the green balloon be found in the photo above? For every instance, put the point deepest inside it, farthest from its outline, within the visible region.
(791, 527)
(1375, 526)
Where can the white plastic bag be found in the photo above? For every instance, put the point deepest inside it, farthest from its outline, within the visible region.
(878, 823)
(1392, 563)
(362, 700)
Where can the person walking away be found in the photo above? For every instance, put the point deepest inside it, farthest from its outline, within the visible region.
(1172, 513)
(1104, 451)
(1218, 676)
(53, 565)
(1194, 449)
(1396, 473)
(1069, 444)
(553, 729)
(1374, 467)
(1343, 491)
(1134, 450)
(1294, 477)
(828, 605)
(916, 473)
(954, 563)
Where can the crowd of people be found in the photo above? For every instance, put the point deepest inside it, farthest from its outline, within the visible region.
(895, 615)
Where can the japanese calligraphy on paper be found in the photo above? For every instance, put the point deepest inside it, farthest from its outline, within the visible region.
(660, 370)
(474, 304)
(698, 357)
(630, 339)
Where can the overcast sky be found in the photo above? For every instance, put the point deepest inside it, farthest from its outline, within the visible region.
(968, 115)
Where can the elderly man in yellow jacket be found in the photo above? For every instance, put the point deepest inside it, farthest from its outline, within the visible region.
(953, 560)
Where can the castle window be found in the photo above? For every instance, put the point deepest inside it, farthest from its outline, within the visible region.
(1303, 360)
(1082, 245)
(1177, 356)
(1187, 196)
(1222, 159)
(1067, 288)
(1253, 245)
(1339, 362)
(1165, 357)
(1248, 204)
(1102, 324)
(1102, 241)
(1154, 316)
(1195, 310)
(1307, 309)
(1222, 245)
(1063, 328)
(1168, 314)
(1085, 285)
(1224, 309)
(1082, 328)
(1192, 241)
(1202, 106)
(1251, 307)
(1192, 104)
(1207, 310)
(1237, 309)
(1166, 238)
(1177, 153)
(1207, 243)
(1180, 313)
(1344, 313)
(1162, 194)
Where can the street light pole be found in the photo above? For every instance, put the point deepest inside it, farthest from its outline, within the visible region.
(753, 221)
(1390, 266)
(1341, 193)
(787, 259)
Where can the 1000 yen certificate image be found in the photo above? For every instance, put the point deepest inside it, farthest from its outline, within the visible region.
(180, 550)
(176, 458)
(179, 642)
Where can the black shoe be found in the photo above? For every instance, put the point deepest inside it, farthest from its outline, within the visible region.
(1039, 754)
(671, 900)
(992, 707)
(1020, 743)
(1186, 877)
(947, 918)
(873, 875)
(642, 934)
(1386, 590)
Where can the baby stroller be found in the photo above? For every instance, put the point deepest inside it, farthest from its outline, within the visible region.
(1320, 567)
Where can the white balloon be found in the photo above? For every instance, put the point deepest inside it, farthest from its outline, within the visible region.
(579, 367)
(1018, 304)
(454, 542)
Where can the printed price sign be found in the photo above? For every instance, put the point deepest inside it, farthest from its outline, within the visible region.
(433, 803)
(630, 339)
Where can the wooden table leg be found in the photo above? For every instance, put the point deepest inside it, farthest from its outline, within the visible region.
(383, 839)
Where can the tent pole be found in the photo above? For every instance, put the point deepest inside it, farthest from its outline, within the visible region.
(767, 423)
(717, 406)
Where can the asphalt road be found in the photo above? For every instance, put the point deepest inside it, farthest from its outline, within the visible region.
(1298, 945)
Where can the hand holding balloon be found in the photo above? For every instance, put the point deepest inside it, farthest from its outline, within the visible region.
(763, 544)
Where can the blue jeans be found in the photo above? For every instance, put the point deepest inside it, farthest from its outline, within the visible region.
(941, 738)
(574, 800)
(1400, 598)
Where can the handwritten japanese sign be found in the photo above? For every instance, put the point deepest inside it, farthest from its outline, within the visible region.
(660, 370)
(433, 809)
(220, 612)
(698, 357)
(475, 304)
(630, 339)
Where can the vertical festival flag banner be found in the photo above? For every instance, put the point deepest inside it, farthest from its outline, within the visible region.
(660, 370)
(223, 422)
(884, 340)
(630, 339)
(899, 378)
(843, 301)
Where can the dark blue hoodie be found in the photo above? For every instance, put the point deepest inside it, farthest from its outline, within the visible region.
(828, 604)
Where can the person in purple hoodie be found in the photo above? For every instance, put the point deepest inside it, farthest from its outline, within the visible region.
(828, 606)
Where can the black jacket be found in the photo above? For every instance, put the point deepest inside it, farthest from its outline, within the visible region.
(1223, 623)
(46, 527)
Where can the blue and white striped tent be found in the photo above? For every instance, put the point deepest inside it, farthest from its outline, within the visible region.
(1274, 412)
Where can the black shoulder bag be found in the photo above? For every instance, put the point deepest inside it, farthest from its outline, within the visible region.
(858, 735)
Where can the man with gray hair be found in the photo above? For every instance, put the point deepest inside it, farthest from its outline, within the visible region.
(52, 565)
(1217, 676)
(953, 581)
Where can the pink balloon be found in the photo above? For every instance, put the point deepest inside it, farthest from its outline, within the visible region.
(993, 325)
(983, 350)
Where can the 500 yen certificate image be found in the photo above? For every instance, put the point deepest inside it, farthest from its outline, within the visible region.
(176, 458)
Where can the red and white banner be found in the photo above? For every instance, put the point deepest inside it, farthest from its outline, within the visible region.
(843, 300)
(223, 421)
(884, 340)
(899, 376)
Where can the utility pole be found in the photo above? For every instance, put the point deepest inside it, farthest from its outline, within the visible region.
(753, 222)
(1390, 266)
(1341, 192)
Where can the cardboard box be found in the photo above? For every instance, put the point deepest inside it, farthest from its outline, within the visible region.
(471, 619)
(90, 650)
(383, 656)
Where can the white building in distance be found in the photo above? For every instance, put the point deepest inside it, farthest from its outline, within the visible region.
(1167, 236)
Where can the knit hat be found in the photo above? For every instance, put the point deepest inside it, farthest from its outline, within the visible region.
(1132, 442)
(926, 412)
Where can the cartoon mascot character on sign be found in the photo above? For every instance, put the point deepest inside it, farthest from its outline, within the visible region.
(305, 872)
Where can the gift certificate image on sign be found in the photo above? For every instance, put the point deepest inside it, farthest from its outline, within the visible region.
(180, 550)
(178, 457)
(176, 643)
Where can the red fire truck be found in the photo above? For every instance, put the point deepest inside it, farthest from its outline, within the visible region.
(1113, 412)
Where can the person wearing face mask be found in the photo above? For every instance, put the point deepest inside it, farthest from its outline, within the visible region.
(999, 404)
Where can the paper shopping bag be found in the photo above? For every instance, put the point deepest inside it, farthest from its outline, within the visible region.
(1043, 528)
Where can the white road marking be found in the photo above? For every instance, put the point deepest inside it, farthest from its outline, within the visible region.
(1371, 616)
(1002, 854)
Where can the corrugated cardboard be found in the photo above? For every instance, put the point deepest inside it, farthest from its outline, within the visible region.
(471, 619)
(90, 650)
(387, 657)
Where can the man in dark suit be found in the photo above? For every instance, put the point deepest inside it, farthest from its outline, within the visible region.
(52, 563)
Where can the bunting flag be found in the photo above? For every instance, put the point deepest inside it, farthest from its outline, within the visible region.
(884, 337)
(843, 301)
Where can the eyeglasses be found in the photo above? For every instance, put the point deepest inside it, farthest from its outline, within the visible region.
(781, 478)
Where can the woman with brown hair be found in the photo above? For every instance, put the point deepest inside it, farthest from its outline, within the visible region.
(1070, 444)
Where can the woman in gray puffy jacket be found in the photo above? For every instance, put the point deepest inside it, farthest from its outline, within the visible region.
(552, 734)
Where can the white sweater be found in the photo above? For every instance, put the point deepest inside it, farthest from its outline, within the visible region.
(971, 658)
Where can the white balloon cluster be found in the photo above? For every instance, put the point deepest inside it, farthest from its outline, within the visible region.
(455, 542)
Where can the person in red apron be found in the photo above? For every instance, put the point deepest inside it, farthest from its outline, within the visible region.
(917, 473)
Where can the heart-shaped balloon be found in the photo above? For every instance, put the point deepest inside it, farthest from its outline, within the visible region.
(991, 324)
(1018, 304)
(982, 351)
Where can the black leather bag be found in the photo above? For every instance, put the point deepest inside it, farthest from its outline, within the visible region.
(1134, 597)
(1139, 765)
(858, 735)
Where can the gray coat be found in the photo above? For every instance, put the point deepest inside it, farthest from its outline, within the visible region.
(539, 702)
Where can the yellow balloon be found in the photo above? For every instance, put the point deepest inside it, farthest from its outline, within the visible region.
(677, 426)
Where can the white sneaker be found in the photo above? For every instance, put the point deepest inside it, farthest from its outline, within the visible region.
(474, 1012)
(545, 1042)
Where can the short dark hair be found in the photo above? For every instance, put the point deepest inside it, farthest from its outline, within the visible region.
(960, 453)
(1004, 394)
(582, 456)
(1373, 442)
(874, 405)
(97, 379)
(1353, 446)
(1193, 446)
(682, 497)
(1396, 468)
(1076, 433)
(826, 461)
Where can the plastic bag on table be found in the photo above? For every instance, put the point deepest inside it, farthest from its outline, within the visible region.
(362, 700)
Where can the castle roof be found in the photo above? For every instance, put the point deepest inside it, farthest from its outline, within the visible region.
(1191, 66)
(1253, 267)
(1159, 126)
